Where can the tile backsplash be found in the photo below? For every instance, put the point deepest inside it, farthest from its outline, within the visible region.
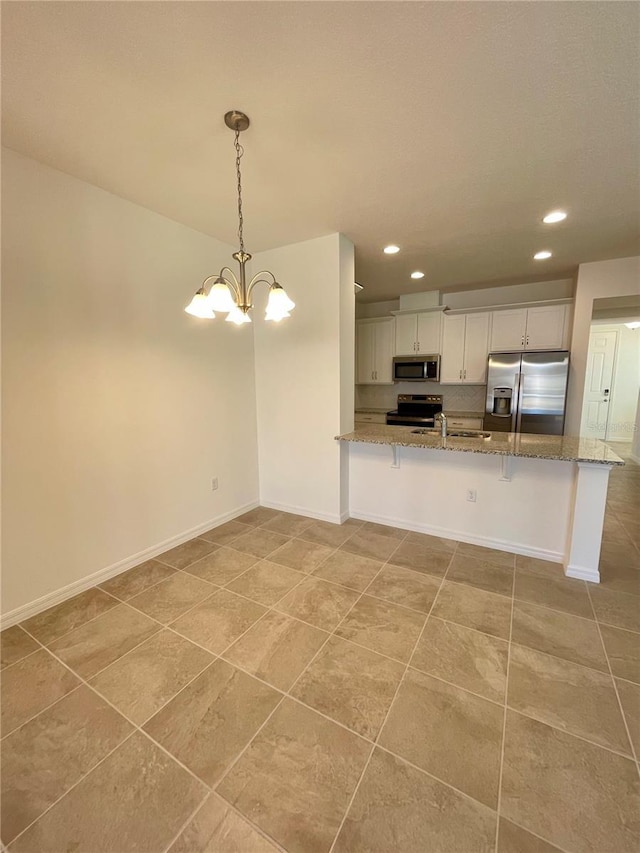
(456, 398)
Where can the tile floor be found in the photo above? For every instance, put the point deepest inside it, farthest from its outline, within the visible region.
(286, 684)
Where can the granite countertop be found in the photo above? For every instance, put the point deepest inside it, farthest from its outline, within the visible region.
(558, 447)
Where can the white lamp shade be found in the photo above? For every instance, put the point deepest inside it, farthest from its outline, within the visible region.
(276, 316)
(237, 316)
(278, 302)
(200, 306)
(220, 298)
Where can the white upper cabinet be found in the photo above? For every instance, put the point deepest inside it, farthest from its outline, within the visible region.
(418, 334)
(465, 347)
(539, 328)
(374, 351)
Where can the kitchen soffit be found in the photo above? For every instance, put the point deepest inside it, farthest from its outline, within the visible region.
(448, 128)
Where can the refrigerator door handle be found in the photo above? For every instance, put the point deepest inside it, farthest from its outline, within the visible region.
(519, 402)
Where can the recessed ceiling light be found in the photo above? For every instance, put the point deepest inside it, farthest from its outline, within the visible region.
(541, 256)
(417, 274)
(554, 216)
(634, 325)
(391, 250)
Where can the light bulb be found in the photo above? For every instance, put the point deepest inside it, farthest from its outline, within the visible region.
(237, 316)
(278, 303)
(220, 298)
(541, 256)
(555, 216)
(200, 306)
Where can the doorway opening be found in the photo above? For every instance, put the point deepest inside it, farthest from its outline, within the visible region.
(610, 408)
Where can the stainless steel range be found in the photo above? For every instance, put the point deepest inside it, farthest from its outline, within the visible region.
(415, 410)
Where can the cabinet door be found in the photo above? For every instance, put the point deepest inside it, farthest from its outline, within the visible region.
(545, 327)
(429, 333)
(364, 353)
(384, 340)
(508, 330)
(406, 334)
(452, 362)
(476, 349)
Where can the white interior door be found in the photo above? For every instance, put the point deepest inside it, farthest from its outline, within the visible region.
(597, 389)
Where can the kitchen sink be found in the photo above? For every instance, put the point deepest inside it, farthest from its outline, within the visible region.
(454, 433)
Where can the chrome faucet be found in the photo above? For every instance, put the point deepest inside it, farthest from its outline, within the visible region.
(443, 419)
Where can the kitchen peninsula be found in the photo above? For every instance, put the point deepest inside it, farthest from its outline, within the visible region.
(539, 495)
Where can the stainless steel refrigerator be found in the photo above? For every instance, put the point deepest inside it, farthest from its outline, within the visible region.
(527, 392)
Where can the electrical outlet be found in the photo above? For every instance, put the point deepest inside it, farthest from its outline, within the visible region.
(214, 484)
(471, 495)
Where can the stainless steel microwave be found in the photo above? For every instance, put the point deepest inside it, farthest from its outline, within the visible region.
(419, 368)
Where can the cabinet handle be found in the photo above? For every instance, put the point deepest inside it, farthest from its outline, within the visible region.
(522, 341)
(372, 374)
(465, 375)
(418, 347)
(460, 374)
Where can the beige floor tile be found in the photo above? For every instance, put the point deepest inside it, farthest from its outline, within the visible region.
(15, 644)
(297, 777)
(349, 570)
(622, 552)
(619, 578)
(222, 566)
(94, 646)
(463, 657)
(616, 608)
(488, 555)
(419, 558)
(383, 627)
(183, 555)
(136, 580)
(568, 696)
(288, 524)
(259, 542)
(59, 620)
(450, 733)
(301, 555)
(321, 603)
(545, 567)
(487, 576)
(566, 594)
(514, 839)
(49, 754)
(325, 533)
(158, 668)
(30, 685)
(266, 582)
(276, 649)
(224, 534)
(398, 808)
(569, 637)
(372, 545)
(219, 620)
(257, 516)
(630, 700)
(433, 543)
(216, 828)
(405, 587)
(351, 685)
(136, 799)
(581, 797)
(623, 651)
(383, 530)
(202, 726)
(474, 608)
(172, 597)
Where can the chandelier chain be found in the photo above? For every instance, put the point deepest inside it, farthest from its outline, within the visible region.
(239, 153)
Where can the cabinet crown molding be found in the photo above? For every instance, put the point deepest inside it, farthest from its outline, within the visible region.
(508, 307)
(407, 311)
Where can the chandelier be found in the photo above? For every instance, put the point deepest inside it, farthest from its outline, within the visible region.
(229, 294)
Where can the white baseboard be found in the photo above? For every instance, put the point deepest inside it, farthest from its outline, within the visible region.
(310, 513)
(32, 608)
(460, 536)
(591, 575)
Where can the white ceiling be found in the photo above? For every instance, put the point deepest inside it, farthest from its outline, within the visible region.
(449, 128)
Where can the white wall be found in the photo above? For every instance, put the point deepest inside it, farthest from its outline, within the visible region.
(508, 294)
(529, 515)
(118, 407)
(619, 277)
(302, 365)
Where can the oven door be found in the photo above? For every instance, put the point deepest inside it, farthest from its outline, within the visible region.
(408, 421)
